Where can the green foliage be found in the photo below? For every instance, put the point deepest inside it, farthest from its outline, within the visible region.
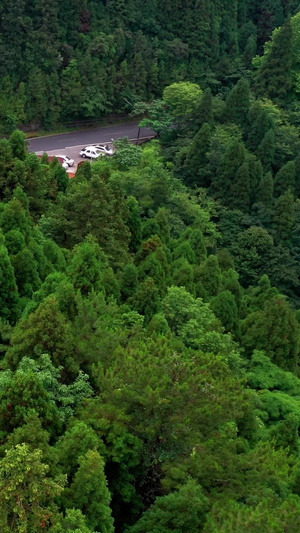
(89, 493)
(150, 306)
(28, 494)
(127, 154)
(182, 510)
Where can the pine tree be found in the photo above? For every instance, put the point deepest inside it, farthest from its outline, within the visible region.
(89, 493)
(146, 299)
(265, 191)
(87, 264)
(210, 277)
(238, 102)
(195, 164)
(9, 296)
(284, 216)
(256, 174)
(274, 77)
(266, 150)
(275, 330)
(285, 179)
(161, 218)
(260, 122)
(233, 159)
(18, 144)
(134, 224)
(129, 281)
(241, 189)
(198, 245)
(250, 51)
(225, 308)
(204, 112)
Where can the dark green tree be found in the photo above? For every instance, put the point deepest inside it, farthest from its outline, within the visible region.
(265, 191)
(274, 77)
(285, 179)
(134, 224)
(18, 144)
(183, 510)
(195, 164)
(284, 216)
(266, 150)
(9, 296)
(238, 102)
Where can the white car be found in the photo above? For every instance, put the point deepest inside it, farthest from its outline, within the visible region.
(67, 161)
(105, 149)
(91, 152)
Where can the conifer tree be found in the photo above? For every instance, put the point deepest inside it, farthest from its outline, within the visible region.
(225, 308)
(238, 102)
(146, 299)
(266, 150)
(196, 159)
(204, 112)
(18, 144)
(241, 189)
(265, 191)
(129, 281)
(86, 266)
(233, 159)
(260, 122)
(161, 218)
(198, 245)
(9, 297)
(89, 493)
(256, 174)
(274, 77)
(284, 216)
(134, 224)
(285, 179)
(210, 277)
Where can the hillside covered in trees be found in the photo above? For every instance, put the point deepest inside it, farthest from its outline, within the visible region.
(150, 306)
(62, 61)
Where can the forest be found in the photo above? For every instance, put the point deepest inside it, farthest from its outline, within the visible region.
(150, 306)
(83, 59)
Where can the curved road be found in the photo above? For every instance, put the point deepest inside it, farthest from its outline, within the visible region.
(86, 137)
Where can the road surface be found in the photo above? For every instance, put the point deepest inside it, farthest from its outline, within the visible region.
(86, 137)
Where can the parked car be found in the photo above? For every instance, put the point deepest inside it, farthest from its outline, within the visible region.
(91, 152)
(105, 149)
(66, 159)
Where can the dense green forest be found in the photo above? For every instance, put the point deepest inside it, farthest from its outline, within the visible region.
(62, 61)
(150, 306)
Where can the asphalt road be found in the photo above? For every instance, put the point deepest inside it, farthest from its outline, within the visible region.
(86, 137)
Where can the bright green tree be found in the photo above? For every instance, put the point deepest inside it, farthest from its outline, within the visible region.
(89, 493)
(18, 144)
(274, 77)
(87, 264)
(27, 493)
